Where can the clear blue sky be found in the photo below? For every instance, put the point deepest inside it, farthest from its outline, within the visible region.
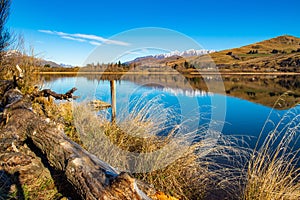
(65, 30)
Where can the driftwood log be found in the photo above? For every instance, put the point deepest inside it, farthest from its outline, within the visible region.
(90, 177)
(49, 93)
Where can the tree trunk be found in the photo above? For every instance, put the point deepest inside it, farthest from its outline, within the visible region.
(90, 177)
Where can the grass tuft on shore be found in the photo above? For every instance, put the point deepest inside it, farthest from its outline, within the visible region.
(273, 170)
(174, 162)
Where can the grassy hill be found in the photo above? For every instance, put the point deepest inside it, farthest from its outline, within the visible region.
(283, 44)
(277, 54)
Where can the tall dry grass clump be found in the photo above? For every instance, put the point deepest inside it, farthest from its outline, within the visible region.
(144, 142)
(273, 171)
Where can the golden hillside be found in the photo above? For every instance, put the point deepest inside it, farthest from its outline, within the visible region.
(277, 54)
(284, 44)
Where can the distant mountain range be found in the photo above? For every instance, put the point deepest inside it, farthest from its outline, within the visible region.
(171, 57)
(187, 53)
(66, 65)
(280, 54)
(41, 62)
(53, 64)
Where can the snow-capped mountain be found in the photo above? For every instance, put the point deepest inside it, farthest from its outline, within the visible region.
(162, 59)
(187, 53)
(66, 65)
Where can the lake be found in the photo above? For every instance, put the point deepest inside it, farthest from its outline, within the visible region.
(240, 108)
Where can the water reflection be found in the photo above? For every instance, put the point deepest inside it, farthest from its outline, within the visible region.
(264, 90)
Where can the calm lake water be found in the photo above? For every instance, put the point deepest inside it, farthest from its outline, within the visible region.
(241, 109)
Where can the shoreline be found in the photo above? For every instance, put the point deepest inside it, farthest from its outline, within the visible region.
(169, 73)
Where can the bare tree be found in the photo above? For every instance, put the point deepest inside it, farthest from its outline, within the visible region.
(4, 33)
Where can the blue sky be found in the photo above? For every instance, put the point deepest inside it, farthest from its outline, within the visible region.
(67, 31)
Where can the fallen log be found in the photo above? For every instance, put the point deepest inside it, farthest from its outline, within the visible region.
(49, 93)
(90, 177)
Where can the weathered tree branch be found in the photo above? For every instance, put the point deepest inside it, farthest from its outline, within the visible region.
(47, 93)
(91, 177)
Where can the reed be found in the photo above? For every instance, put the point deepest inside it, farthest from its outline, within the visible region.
(162, 154)
(273, 171)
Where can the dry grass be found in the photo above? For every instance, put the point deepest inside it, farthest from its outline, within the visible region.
(60, 112)
(286, 43)
(28, 64)
(174, 163)
(273, 171)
